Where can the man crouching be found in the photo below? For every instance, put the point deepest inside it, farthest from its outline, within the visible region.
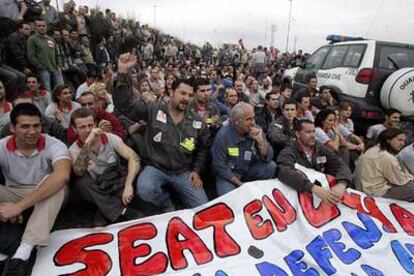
(100, 177)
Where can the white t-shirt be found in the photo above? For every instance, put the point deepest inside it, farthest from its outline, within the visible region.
(107, 156)
(374, 131)
(22, 171)
(406, 157)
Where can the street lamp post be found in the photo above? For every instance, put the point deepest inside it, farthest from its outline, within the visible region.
(155, 11)
(288, 32)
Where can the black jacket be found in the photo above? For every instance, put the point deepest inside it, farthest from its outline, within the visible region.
(16, 51)
(264, 118)
(280, 134)
(323, 160)
(174, 149)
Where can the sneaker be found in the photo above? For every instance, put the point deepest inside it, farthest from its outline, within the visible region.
(131, 214)
(15, 267)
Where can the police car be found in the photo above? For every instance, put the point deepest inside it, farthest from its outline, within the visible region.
(371, 74)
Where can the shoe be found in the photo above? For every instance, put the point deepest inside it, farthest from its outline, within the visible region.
(15, 267)
(131, 214)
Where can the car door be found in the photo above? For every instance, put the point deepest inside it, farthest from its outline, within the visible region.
(310, 67)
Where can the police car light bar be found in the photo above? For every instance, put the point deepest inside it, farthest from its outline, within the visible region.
(341, 38)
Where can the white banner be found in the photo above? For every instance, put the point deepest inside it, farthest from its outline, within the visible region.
(261, 228)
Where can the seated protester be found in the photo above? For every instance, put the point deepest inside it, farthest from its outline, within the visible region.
(354, 143)
(104, 99)
(311, 89)
(62, 106)
(286, 95)
(242, 96)
(308, 153)
(324, 100)
(378, 172)
(327, 133)
(240, 151)
(5, 107)
(106, 121)
(203, 106)
(176, 142)
(281, 130)
(268, 113)
(392, 119)
(48, 125)
(91, 76)
(231, 98)
(36, 168)
(99, 176)
(256, 95)
(40, 96)
(406, 157)
(304, 106)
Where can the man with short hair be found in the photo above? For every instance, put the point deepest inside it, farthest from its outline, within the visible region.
(392, 119)
(106, 121)
(269, 111)
(311, 88)
(203, 106)
(36, 168)
(238, 86)
(306, 152)
(281, 130)
(304, 106)
(43, 55)
(324, 100)
(40, 96)
(16, 48)
(95, 160)
(176, 142)
(155, 81)
(91, 76)
(48, 125)
(240, 152)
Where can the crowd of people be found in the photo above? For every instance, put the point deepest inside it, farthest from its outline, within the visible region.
(111, 112)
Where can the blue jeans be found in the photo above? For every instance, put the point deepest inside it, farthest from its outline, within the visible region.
(49, 77)
(152, 187)
(257, 171)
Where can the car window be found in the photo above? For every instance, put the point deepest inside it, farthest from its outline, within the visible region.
(354, 55)
(315, 61)
(393, 57)
(335, 56)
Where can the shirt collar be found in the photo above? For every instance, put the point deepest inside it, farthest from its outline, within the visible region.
(7, 107)
(32, 94)
(104, 140)
(11, 143)
(67, 106)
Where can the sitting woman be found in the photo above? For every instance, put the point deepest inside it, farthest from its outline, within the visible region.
(378, 172)
(354, 143)
(327, 133)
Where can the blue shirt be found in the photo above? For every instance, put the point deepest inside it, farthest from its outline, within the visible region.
(233, 155)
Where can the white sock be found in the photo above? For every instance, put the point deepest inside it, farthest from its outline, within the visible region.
(23, 252)
(3, 257)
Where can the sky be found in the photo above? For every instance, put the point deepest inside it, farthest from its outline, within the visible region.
(225, 21)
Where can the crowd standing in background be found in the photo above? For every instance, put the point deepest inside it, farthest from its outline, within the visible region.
(106, 111)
